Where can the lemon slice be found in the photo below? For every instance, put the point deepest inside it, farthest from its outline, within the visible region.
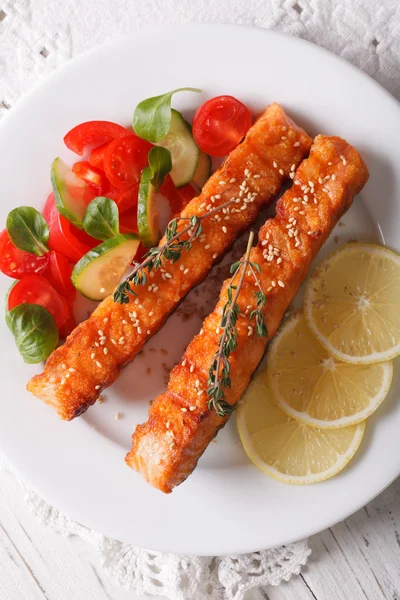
(286, 449)
(316, 389)
(352, 304)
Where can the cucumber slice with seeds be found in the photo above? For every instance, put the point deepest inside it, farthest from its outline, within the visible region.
(185, 152)
(203, 170)
(102, 268)
(70, 193)
(148, 223)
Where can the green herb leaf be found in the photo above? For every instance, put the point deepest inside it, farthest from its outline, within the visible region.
(101, 219)
(28, 230)
(34, 330)
(152, 117)
(160, 163)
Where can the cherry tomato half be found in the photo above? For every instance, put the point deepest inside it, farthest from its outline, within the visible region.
(73, 243)
(34, 289)
(16, 263)
(178, 198)
(93, 133)
(125, 159)
(58, 273)
(220, 124)
(125, 199)
(92, 176)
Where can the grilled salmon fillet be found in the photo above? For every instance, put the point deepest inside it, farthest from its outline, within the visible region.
(180, 426)
(98, 348)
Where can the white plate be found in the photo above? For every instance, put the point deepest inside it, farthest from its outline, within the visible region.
(227, 505)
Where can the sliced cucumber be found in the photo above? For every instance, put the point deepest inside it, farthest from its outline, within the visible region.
(147, 218)
(101, 269)
(69, 192)
(203, 170)
(185, 152)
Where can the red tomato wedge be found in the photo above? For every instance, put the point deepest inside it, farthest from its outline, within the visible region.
(178, 198)
(58, 273)
(73, 243)
(128, 221)
(16, 263)
(125, 159)
(96, 156)
(125, 199)
(220, 124)
(92, 176)
(34, 289)
(93, 133)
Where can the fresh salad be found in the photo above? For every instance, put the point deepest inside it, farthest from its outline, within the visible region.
(102, 213)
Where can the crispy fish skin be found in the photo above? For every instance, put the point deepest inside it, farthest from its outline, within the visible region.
(167, 447)
(98, 348)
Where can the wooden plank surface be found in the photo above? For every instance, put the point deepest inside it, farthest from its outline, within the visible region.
(358, 559)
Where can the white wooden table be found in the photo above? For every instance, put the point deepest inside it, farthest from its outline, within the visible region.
(358, 559)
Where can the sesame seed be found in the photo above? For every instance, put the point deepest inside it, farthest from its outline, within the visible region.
(215, 255)
(284, 128)
(296, 208)
(217, 330)
(283, 138)
(71, 370)
(155, 288)
(136, 300)
(184, 362)
(246, 172)
(281, 172)
(167, 424)
(330, 163)
(92, 355)
(297, 244)
(275, 164)
(296, 144)
(324, 189)
(207, 247)
(102, 290)
(333, 177)
(197, 383)
(121, 339)
(310, 183)
(269, 289)
(67, 375)
(203, 205)
(224, 229)
(315, 201)
(327, 177)
(278, 261)
(98, 363)
(199, 392)
(191, 368)
(233, 180)
(201, 331)
(218, 196)
(249, 330)
(97, 387)
(151, 274)
(256, 176)
(293, 167)
(281, 284)
(125, 322)
(273, 283)
(182, 267)
(302, 212)
(183, 409)
(139, 330)
(105, 350)
(305, 198)
(222, 182)
(186, 271)
(117, 416)
(100, 332)
(192, 408)
(64, 366)
(97, 345)
(151, 313)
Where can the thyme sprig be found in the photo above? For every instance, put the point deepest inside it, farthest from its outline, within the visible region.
(219, 372)
(177, 240)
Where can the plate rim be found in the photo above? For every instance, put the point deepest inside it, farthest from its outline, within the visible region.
(145, 34)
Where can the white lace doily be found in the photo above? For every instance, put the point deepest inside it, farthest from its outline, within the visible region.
(36, 36)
